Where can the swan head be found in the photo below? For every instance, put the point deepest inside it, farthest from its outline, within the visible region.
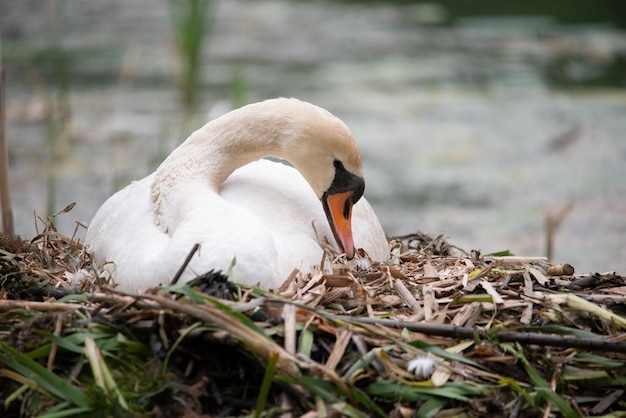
(345, 190)
(322, 148)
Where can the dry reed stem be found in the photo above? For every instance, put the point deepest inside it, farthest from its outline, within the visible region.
(343, 337)
(552, 223)
(10, 305)
(5, 191)
(406, 296)
(58, 326)
(289, 318)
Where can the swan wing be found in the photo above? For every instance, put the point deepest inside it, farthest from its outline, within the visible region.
(124, 230)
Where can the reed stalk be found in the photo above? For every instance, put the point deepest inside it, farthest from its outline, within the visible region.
(5, 192)
(189, 20)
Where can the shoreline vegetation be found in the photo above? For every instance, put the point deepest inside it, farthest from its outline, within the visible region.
(437, 331)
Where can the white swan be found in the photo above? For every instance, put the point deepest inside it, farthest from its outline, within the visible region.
(215, 190)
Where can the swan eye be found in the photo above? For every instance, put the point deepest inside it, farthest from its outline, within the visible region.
(345, 181)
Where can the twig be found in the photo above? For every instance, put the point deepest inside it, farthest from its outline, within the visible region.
(182, 268)
(9, 305)
(607, 401)
(553, 220)
(526, 338)
(509, 260)
(58, 327)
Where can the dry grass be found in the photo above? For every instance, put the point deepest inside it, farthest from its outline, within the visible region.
(434, 332)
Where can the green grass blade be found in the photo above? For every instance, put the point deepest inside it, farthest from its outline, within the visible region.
(445, 354)
(183, 333)
(244, 319)
(320, 387)
(362, 398)
(363, 362)
(503, 253)
(101, 373)
(67, 413)
(185, 290)
(591, 358)
(543, 388)
(512, 383)
(266, 384)
(29, 368)
(77, 298)
(305, 343)
(16, 394)
(394, 390)
(557, 401)
(64, 343)
(430, 408)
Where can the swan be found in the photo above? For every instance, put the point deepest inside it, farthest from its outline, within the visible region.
(216, 189)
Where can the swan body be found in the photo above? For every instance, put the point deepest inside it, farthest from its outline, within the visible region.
(216, 190)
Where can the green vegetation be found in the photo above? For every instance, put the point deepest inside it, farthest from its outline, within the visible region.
(341, 349)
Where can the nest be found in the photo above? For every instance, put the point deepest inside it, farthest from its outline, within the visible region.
(435, 332)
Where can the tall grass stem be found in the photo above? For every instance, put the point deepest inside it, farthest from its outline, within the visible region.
(5, 191)
(189, 21)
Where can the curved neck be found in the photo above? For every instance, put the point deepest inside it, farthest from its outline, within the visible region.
(217, 149)
(288, 129)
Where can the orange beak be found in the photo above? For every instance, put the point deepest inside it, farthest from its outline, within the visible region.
(338, 207)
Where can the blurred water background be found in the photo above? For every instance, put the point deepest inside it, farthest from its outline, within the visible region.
(475, 119)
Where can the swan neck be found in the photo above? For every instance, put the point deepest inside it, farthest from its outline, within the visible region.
(212, 153)
(302, 134)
